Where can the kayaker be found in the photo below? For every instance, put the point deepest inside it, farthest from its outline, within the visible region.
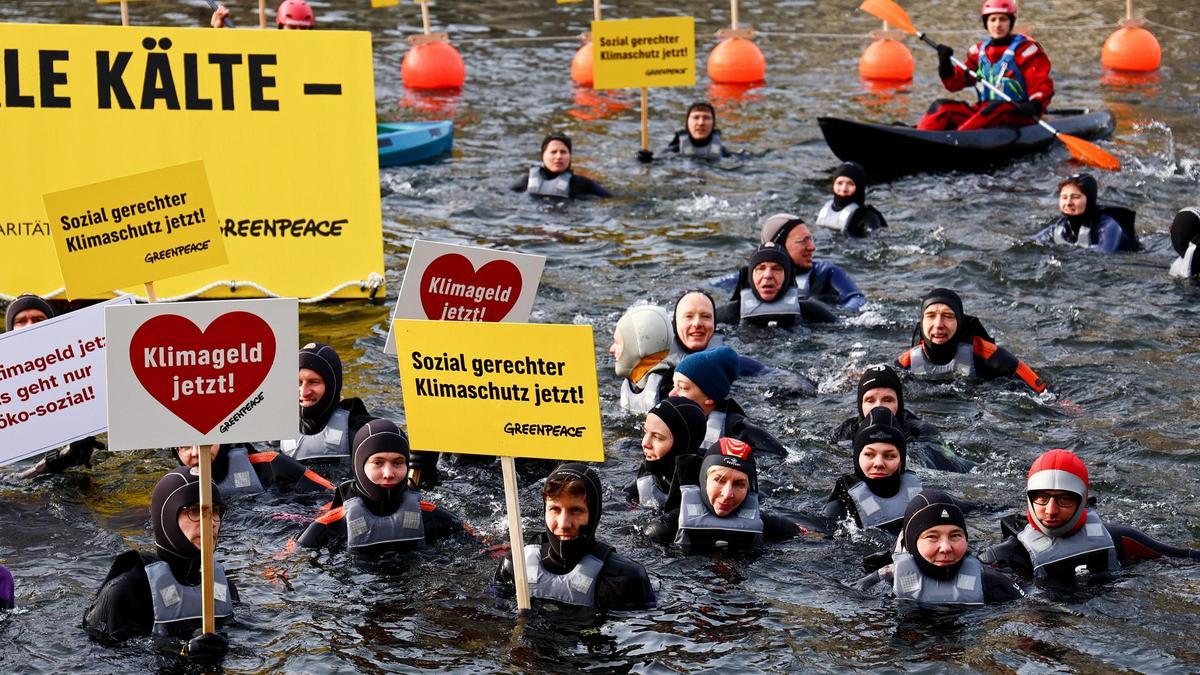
(672, 434)
(847, 211)
(554, 178)
(291, 15)
(767, 294)
(568, 565)
(1014, 63)
(641, 345)
(238, 470)
(877, 492)
(1063, 539)
(1085, 223)
(947, 342)
(699, 138)
(817, 279)
(694, 322)
(706, 377)
(1185, 236)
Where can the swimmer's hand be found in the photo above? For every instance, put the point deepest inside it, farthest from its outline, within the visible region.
(207, 647)
(220, 17)
(645, 156)
(78, 453)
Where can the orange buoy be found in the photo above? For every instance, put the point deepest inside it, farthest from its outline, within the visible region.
(736, 61)
(581, 66)
(886, 59)
(433, 65)
(1132, 49)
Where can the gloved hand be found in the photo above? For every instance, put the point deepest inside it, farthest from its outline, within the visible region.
(645, 156)
(207, 647)
(945, 66)
(1029, 109)
(425, 465)
(78, 453)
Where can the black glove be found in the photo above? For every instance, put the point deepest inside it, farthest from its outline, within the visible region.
(1029, 109)
(945, 66)
(876, 561)
(78, 453)
(427, 464)
(645, 156)
(207, 647)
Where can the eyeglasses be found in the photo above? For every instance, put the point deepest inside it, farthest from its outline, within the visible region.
(1065, 501)
(193, 512)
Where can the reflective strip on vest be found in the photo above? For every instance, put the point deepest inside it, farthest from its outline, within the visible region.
(644, 400)
(364, 528)
(714, 427)
(836, 220)
(753, 307)
(559, 187)
(908, 583)
(1084, 239)
(962, 365)
(241, 478)
(577, 587)
(1091, 538)
(694, 516)
(175, 602)
(648, 493)
(1004, 74)
(712, 150)
(1182, 267)
(876, 511)
(332, 442)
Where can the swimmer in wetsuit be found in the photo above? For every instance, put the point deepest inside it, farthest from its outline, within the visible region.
(847, 211)
(554, 178)
(1085, 223)
(640, 349)
(238, 470)
(877, 493)
(695, 323)
(1185, 237)
(700, 138)
(818, 280)
(673, 431)
(706, 377)
(767, 294)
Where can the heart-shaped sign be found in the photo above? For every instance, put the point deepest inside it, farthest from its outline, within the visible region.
(452, 290)
(202, 376)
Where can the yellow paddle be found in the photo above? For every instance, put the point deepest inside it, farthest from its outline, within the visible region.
(1088, 153)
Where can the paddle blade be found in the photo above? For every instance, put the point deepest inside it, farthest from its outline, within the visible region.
(1089, 153)
(889, 11)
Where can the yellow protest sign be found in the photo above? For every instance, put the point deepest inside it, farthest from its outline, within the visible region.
(284, 122)
(135, 229)
(514, 389)
(376, 4)
(634, 53)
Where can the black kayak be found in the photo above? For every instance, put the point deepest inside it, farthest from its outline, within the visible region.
(892, 150)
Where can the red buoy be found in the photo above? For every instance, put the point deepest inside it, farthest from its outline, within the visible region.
(433, 65)
(581, 66)
(1133, 49)
(887, 60)
(736, 61)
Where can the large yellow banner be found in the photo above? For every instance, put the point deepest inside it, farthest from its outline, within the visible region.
(514, 389)
(634, 53)
(284, 122)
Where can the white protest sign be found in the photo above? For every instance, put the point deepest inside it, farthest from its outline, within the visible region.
(198, 373)
(448, 282)
(52, 378)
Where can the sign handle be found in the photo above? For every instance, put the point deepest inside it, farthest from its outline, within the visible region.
(207, 545)
(645, 118)
(425, 16)
(151, 296)
(733, 14)
(516, 537)
(596, 9)
(262, 13)
(124, 12)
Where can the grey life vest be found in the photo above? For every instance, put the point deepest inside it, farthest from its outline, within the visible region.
(697, 522)
(714, 427)
(1084, 240)
(331, 442)
(802, 283)
(175, 602)
(876, 511)
(1182, 267)
(908, 583)
(559, 186)
(241, 478)
(648, 493)
(712, 150)
(364, 528)
(836, 220)
(643, 401)
(1092, 538)
(787, 304)
(962, 365)
(577, 587)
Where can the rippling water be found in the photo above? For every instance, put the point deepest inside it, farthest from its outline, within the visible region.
(1113, 335)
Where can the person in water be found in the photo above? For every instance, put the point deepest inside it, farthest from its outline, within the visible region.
(1062, 538)
(673, 432)
(949, 343)
(699, 138)
(238, 470)
(641, 345)
(705, 378)
(1013, 63)
(766, 294)
(847, 211)
(1185, 237)
(817, 279)
(1085, 223)
(291, 15)
(159, 593)
(931, 565)
(695, 330)
(568, 565)
(879, 490)
(554, 178)
(377, 512)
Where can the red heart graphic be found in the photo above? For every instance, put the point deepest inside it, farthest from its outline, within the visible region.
(452, 290)
(166, 353)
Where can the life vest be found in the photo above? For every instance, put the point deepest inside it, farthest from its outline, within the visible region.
(908, 583)
(802, 284)
(1182, 267)
(712, 150)
(331, 442)
(787, 305)
(1003, 74)
(364, 528)
(1092, 544)
(836, 220)
(643, 401)
(649, 495)
(1082, 240)
(577, 587)
(241, 478)
(175, 603)
(714, 427)
(559, 186)
(876, 511)
(962, 365)
(700, 527)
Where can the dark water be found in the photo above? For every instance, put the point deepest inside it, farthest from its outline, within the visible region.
(1113, 335)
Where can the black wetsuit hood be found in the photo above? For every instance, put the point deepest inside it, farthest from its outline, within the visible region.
(777, 254)
(929, 509)
(323, 360)
(686, 420)
(855, 172)
(880, 376)
(881, 426)
(701, 105)
(1091, 214)
(174, 491)
(558, 556)
(379, 435)
(968, 326)
(675, 311)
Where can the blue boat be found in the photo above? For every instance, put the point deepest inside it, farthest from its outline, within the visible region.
(402, 143)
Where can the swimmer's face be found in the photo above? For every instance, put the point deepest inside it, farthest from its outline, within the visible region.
(939, 323)
(768, 280)
(617, 346)
(556, 157)
(879, 460)
(998, 26)
(566, 515)
(1059, 507)
(189, 522)
(686, 388)
(942, 545)
(657, 439)
(844, 186)
(1071, 200)
(699, 124)
(727, 489)
(386, 469)
(695, 321)
(880, 397)
(312, 387)
(27, 317)
(189, 455)
(800, 248)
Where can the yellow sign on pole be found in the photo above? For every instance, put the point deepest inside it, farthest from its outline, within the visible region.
(284, 122)
(376, 4)
(634, 53)
(512, 389)
(134, 230)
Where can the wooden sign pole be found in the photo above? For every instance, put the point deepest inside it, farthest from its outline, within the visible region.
(645, 118)
(124, 13)
(516, 537)
(262, 13)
